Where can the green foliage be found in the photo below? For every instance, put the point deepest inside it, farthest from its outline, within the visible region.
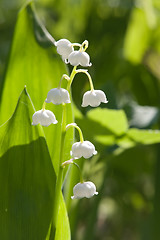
(128, 202)
(27, 178)
(122, 159)
(33, 64)
(138, 29)
(39, 68)
(114, 120)
(143, 136)
(111, 127)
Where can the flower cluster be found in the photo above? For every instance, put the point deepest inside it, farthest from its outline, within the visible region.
(66, 49)
(59, 95)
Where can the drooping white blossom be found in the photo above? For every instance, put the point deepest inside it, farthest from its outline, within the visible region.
(44, 117)
(85, 189)
(83, 149)
(94, 98)
(58, 96)
(79, 58)
(64, 48)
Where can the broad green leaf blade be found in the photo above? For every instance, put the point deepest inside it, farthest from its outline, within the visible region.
(132, 138)
(113, 129)
(34, 62)
(144, 136)
(113, 120)
(107, 140)
(29, 64)
(63, 226)
(27, 177)
(136, 137)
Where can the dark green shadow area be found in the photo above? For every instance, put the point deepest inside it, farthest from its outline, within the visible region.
(27, 182)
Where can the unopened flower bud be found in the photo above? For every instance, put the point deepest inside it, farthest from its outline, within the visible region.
(44, 117)
(58, 96)
(85, 189)
(83, 149)
(64, 48)
(94, 98)
(79, 58)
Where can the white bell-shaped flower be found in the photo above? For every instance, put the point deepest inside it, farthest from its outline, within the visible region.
(64, 48)
(83, 149)
(58, 96)
(44, 117)
(85, 189)
(94, 98)
(79, 58)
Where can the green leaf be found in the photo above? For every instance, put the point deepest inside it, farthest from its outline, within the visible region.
(62, 225)
(34, 62)
(113, 129)
(132, 138)
(29, 64)
(140, 30)
(137, 36)
(144, 136)
(27, 177)
(107, 140)
(113, 120)
(136, 137)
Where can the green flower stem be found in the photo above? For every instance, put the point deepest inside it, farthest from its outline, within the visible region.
(79, 130)
(63, 133)
(85, 45)
(88, 75)
(44, 105)
(76, 45)
(82, 47)
(73, 73)
(80, 172)
(64, 76)
(71, 161)
(80, 133)
(60, 173)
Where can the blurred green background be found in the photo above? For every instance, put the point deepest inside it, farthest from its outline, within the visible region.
(124, 46)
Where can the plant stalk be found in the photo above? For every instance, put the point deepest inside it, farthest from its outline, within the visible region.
(60, 173)
(61, 159)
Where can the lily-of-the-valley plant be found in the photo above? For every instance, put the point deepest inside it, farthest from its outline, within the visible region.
(93, 98)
